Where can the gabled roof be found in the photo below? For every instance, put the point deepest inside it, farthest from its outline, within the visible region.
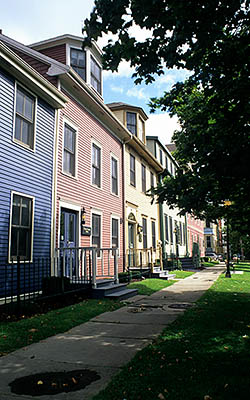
(27, 75)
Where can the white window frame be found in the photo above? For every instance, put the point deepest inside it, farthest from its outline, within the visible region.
(18, 142)
(115, 216)
(118, 180)
(100, 66)
(32, 226)
(100, 213)
(75, 128)
(69, 48)
(131, 184)
(96, 143)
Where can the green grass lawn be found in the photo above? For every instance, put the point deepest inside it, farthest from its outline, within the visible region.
(204, 354)
(149, 286)
(14, 335)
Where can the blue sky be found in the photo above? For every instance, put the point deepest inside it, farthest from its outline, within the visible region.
(30, 21)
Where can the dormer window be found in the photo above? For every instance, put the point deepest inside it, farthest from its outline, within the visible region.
(78, 62)
(141, 130)
(95, 71)
(131, 123)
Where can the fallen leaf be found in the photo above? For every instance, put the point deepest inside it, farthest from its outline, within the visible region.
(226, 385)
(33, 330)
(161, 397)
(207, 397)
(74, 380)
(53, 384)
(39, 382)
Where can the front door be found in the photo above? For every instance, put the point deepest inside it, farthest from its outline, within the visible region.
(68, 240)
(131, 244)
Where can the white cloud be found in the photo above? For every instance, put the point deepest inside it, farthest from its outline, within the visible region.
(117, 89)
(163, 126)
(124, 70)
(138, 93)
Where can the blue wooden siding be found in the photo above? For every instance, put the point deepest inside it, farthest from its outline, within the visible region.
(25, 171)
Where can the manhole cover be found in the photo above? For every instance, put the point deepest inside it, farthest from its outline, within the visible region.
(179, 305)
(50, 383)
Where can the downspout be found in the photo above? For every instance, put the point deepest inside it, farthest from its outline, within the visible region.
(54, 190)
(124, 199)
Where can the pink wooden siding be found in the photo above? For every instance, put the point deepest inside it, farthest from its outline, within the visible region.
(195, 229)
(56, 52)
(80, 190)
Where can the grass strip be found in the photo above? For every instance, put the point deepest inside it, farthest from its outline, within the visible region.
(14, 335)
(203, 355)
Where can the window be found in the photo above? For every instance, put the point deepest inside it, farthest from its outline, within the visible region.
(115, 233)
(114, 175)
(153, 235)
(21, 228)
(184, 233)
(132, 170)
(161, 159)
(78, 62)
(171, 230)
(166, 161)
(152, 181)
(141, 130)
(144, 232)
(209, 242)
(69, 151)
(96, 165)
(25, 117)
(96, 231)
(95, 72)
(131, 122)
(171, 168)
(166, 227)
(143, 178)
(180, 229)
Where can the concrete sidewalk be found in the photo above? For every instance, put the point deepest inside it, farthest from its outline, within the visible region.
(107, 342)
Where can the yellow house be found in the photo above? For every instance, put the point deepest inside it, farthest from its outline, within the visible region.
(142, 229)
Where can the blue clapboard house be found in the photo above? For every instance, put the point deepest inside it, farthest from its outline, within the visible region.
(28, 133)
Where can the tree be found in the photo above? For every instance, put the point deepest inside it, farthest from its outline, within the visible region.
(211, 39)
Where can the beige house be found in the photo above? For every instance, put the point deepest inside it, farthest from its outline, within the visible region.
(142, 230)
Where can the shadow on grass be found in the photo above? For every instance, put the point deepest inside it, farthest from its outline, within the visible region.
(205, 352)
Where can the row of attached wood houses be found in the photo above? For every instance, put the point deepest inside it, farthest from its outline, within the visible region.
(74, 171)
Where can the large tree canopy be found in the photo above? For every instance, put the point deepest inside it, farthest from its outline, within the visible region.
(211, 39)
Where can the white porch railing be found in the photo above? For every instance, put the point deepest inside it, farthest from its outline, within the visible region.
(144, 258)
(86, 264)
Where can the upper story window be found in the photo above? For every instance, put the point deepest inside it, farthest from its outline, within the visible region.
(69, 151)
(25, 117)
(114, 175)
(145, 233)
(78, 62)
(131, 122)
(96, 75)
(143, 178)
(161, 159)
(153, 235)
(132, 170)
(166, 161)
(21, 229)
(152, 180)
(96, 165)
(141, 130)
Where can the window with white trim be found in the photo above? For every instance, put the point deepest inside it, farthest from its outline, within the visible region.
(153, 234)
(96, 231)
(78, 62)
(21, 229)
(145, 233)
(131, 122)
(152, 180)
(25, 117)
(166, 227)
(161, 157)
(171, 230)
(114, 175)
(141, 129)
(115, 233)
(143, 178)
(96, 165)
(69, 150)
(95, 75)
(132, 170)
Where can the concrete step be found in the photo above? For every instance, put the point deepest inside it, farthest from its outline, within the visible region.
(104, 290)
(162, 275)
(122, 294)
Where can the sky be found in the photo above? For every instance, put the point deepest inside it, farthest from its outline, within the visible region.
(30, 21)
